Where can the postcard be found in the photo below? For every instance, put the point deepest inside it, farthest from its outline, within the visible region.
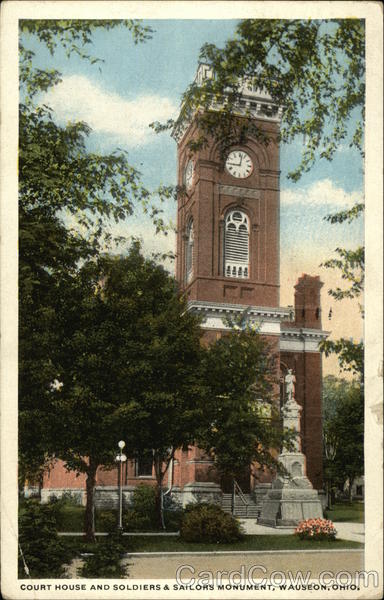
(191, 299)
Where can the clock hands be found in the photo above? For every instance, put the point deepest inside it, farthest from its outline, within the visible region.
(236, 164)
(242, 168)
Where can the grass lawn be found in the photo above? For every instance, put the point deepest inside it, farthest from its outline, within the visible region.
(251, 542)
(71, 518)
(345, 512)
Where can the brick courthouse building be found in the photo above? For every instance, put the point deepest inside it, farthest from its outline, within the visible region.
(228, 254)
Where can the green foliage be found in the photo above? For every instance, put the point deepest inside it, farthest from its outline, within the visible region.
(106, 559)
(136, 521)
(131, 357)
(173, 519)
(350, 354)
(351, 265)
(142, 513)
(141, 516)
(68, 499)
(347, 215)
(129, 360)
(314, 70)
(241, 422)
(67, 198)
(68, 511)
(343, 430)
(209, 523)
(345, 512)
(247, 543)
(106, 520)
(75, 33)
(40, 548)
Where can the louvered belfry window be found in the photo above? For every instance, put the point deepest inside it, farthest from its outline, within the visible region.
(189, 252)
(236, 245)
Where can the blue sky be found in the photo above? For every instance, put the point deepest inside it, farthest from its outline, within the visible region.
(141, 83)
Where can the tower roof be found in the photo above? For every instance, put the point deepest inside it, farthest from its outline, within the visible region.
(252, 102)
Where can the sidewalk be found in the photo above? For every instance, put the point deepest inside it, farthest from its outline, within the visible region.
(158, 565)
(345, 531)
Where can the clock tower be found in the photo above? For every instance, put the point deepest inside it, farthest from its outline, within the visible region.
(228, 250)
(228, 218)
(228, 234)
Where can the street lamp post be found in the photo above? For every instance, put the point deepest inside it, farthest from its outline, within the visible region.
(120, 459)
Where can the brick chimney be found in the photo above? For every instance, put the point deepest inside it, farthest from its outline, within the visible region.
(307, 301)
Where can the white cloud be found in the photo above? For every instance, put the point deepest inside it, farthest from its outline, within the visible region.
(152, 242)
(321, 193)
(142, 228)
(78, 98)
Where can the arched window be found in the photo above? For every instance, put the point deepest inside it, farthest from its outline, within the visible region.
(189, 252)
(236, 245)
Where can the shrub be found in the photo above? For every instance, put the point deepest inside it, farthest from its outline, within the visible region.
(43, 551)
(133, 521)
(66, 499)
(209, 523)
(173, 519)
(141, 516)
(316, 529)
(105, 561)
(143, 501)
(106, 520)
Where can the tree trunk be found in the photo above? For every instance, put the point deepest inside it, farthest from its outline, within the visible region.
(40, 485)
(351, 480)
(89, 525)
(158, 506)
(158, 499)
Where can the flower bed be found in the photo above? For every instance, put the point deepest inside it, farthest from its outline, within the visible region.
(316, 529)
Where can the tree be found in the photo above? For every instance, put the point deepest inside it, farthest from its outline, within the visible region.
(162, 382)
(241, 423)
(67, 196)
(128, 365)
(312, 69)
(343, 432)
(350, 263)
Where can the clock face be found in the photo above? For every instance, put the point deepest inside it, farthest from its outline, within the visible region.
(239, 164)
(188, 174)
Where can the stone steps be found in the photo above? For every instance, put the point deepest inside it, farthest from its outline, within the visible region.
(249, 510)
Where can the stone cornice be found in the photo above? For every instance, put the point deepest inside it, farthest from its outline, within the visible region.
(227, 310)
(270, 321)
(302, 339)
(304, 332)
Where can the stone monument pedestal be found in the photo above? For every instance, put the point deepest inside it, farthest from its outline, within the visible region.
(291, 498)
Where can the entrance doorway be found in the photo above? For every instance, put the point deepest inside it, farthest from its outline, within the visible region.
(243, 478)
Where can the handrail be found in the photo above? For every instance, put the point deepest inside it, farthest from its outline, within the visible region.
(237, 488)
